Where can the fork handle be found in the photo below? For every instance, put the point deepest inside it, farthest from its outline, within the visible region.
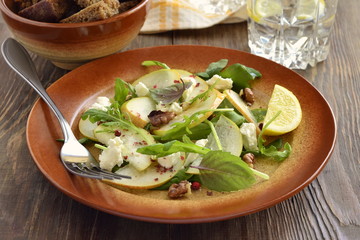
(20, 61)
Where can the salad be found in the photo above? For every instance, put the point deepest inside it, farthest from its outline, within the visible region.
(179, 131)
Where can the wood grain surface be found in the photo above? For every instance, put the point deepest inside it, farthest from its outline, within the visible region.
(329, 208)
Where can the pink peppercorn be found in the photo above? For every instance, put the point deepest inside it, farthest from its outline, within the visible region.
(195, 185)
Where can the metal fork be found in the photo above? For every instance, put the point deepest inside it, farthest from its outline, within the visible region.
(75, 157)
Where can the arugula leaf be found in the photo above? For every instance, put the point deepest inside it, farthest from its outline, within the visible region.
(186, 139)
(271, 150)
(114, 118)
(122, 90)
(214, 134)
(278, 143)
(273, 153)
(164, 149)
(203, 96)
(240, 74)
(96, 115)
(170, 93)
(213, 68)
(179, 176)
(154, 63)
(222, 171)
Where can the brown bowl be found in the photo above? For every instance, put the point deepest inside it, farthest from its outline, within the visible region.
(69, 45)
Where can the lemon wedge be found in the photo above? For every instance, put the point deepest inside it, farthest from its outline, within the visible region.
(265, 8)
(290, 117)
(307, 9)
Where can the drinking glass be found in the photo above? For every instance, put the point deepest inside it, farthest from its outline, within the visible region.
(294, 33)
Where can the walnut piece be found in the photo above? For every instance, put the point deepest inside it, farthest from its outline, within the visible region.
(158, 118)
(249, 158)
(248, 96)
(178, 190)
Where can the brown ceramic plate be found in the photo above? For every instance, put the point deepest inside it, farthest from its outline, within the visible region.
(312, 141)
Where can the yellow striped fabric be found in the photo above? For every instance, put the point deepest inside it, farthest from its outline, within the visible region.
(167, 15)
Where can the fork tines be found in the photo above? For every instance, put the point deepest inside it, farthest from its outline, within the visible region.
(93, 171)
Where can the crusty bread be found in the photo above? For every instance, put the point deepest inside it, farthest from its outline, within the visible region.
(97, 11)
(124, 6)
(46, 10)
(85, 3)
(21, 4)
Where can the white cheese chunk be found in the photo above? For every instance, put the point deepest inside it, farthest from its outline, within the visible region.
(191, 157)
(112, 155)
(220, 82)
(101, 103)
(248, 131)
(173, 107)
(187, 93)
(170, 160)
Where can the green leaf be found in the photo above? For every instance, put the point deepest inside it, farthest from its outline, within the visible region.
(276, 155)
(237, 118)
(181, 175)
(122, 90)
(164, 149)
(154, 63)
(259, 114)
(278, 143)
(170, 93)
(271, 150)
(111, 118)
(186, 139)
(240, 74)
(213, 68)
(96, 115)
(222, 171)
(200, 131)
(253, 72)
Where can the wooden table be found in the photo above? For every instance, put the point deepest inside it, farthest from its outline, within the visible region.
(329, 208)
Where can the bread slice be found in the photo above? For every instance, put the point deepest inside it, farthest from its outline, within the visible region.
(22, 4)
(124, 6)
(46, 10)
(85, 3)
(97, 11)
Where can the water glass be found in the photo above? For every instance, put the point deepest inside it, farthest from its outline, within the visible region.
(294, 33)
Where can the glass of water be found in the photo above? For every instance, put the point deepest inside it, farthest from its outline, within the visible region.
(294, 33)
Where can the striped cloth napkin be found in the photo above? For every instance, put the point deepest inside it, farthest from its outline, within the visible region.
(167, 15)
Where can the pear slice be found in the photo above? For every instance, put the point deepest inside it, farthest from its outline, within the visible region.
(138, 109)
(151, 177)
(86, 128)
(132, 141)
(240, 105)
(211, 102)
(159, 79)
(229, 135)
(195, 163)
